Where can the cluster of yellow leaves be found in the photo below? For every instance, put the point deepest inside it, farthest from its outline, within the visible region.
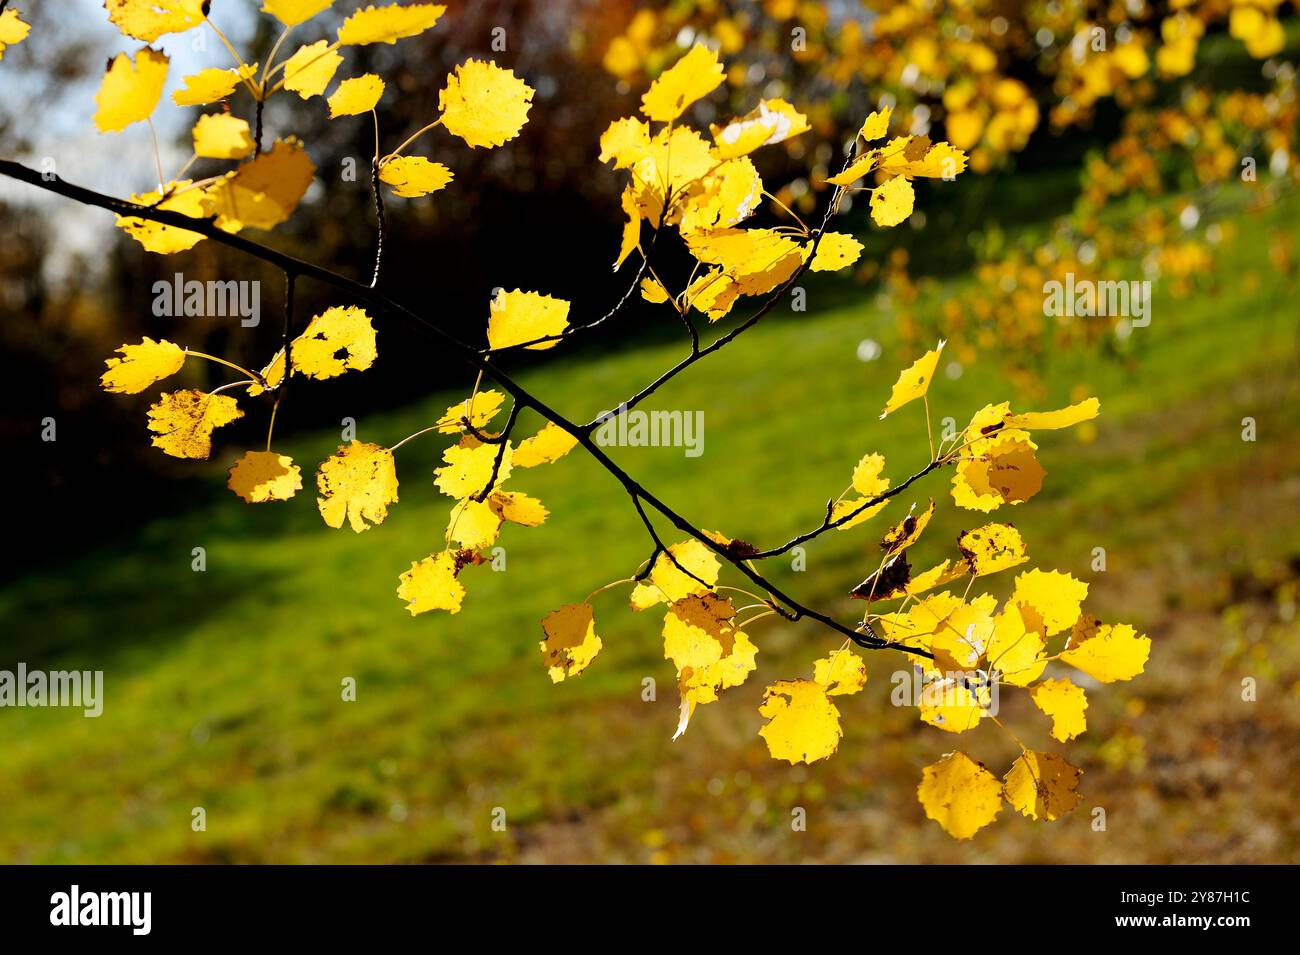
(474, 470)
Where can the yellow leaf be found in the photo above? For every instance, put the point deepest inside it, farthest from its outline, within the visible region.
(876, 125)
(856, 169)
(668, 584)
(709, 653)
(696, 74)
(1015, 648)
(631, 228)
(1064, 703)
(473, 524)
(336, 332)
(388, 24)
(13, 30)
(141, 365)
(626, 141)
(867, 479)
(842, 673)
(265, 476)
(944, 573)
(469, 468)
(518, 508)
(130, 91)
(652, 291)
(413, 176)
(1116, 652)
(1006, 472)
(311, 68)
(892, 202)
(431, 584)
(914, 382)
(149, 19)
(183, 421)
(518, 317)
(1042, 784)
(549, 444)
(960, 795)
(1056, 596)
(222, 136)
(757, 260)
(264, 191)
(478, 410)
(951, 706)
(484, 104)
(992, 548)
(357, 482)
(772, 121)
(206, 86)
(803, 725)
(293, 12)
(1051, 420)
(571, 642)
(356, 95)
(835, 251)
(167, 239)
(907, 531)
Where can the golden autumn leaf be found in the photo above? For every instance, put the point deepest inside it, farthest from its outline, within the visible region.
(914, 381)
(571, 642)
(892, 202)
(183, 421)
(13, 30)
(431, 584)
(803, 725)
(1065, 704)
(1051, 420)
(1042, 785)
(261, 476)
(469, 468)
(696, 74)
(1015, 651)
(335, 341)
(222, 136)
(867, 477)
(992, 548)
(210, 85)
(141, 366)
(293, 12)
(161, 239)
(549, 444)
(1006, 471)
(772, 121)
(130, 90)
(757, 260)
(842, 673)
(960, 795)
(356, 482)
(388, 24)
(1113, 653)
(668, 584)
(518, 317)
(518, 508)
(1056, 596)
(835, 251)
(147, 20)
(311, 68)
(876, 125)
(473, 524)
(414, 176)
(359, 94)
(907, 531)
(484, 104)
(264, 191)
(952, 706)
(478, 410)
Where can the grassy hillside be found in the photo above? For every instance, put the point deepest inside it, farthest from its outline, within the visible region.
(223, 687)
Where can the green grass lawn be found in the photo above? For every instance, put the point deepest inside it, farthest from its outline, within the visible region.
(223, 687)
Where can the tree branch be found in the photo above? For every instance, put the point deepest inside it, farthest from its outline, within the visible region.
(386, 306)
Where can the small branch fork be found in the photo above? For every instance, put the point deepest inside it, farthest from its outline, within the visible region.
(788, 607)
